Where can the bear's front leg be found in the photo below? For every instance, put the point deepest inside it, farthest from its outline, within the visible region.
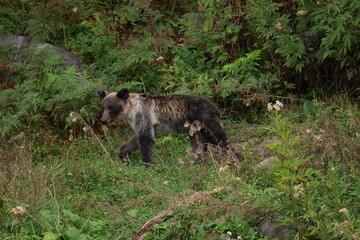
(146, 142)
(145, 134)
(129, 147)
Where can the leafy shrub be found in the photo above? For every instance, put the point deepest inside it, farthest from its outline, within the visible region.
(311, 37)
(98, 52)
(10, 21)
(45, 90)
(317, 200)
(187, 74)
(51, 20)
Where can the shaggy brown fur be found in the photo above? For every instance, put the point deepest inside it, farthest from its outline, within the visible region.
(177, 114)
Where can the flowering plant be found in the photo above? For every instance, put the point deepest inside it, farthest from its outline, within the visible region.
(313, 201)
(291, 173)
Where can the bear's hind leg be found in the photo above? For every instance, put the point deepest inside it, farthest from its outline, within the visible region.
(215, 134)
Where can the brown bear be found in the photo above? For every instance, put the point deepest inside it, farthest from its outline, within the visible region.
(176, 114)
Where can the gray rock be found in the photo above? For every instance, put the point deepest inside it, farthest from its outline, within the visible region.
(69, 58)
(19, 42)
(273, 229)
(15, 41)
(22, 43)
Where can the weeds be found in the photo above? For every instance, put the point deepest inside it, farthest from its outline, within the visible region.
(62, 179)
(305, 189)
(22, 180)
(72, 191)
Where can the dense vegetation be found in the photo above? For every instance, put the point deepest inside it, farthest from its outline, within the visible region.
(60, 177)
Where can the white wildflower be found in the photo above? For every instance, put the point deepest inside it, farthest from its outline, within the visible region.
(278, 27)
(276, 107)
(19, 210)
(218, 189)
(229, 233)
(279, 104)
(298, 188)
(166, 183)
(301, 13)
(223, 168)
(344, 211)
(299, 195)
(73, 116)
(160, 59)
(317, 139)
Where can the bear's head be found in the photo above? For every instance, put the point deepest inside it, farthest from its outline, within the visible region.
(113, 104)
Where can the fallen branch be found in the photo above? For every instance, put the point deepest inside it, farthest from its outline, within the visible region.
(192, 199)
(149, 224)
(75, 116)
(272, 96)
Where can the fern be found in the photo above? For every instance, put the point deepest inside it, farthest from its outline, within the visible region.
(49, 21)
(247, 65)
(50, 92)
(8, 124)
(137, 52)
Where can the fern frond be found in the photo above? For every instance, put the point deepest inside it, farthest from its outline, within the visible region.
(8, 124)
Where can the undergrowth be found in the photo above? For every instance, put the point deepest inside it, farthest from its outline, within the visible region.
(60, 175)
(298, 174)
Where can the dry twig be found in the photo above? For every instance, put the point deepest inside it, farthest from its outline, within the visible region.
(192, 199)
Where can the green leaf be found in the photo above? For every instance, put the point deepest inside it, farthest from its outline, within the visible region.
(132, 212)
(86, 23)
(74, 234)
(72, 217)
(5, 10)
(208, 24)
(51, 236)
(222, 227)
(162, 225)
(93, 226)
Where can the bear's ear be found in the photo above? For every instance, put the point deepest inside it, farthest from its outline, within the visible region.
(123, 94)
(101, 93)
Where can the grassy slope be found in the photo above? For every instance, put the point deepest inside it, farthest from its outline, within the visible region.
(47, 175)
(78, 176)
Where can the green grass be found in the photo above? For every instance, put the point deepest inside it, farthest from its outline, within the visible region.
(71, 190)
